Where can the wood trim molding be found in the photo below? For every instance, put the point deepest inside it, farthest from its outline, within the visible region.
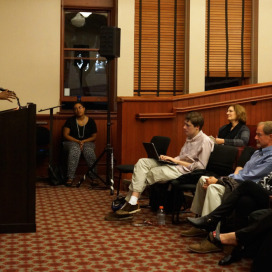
(253, 99)
(145, 116)
(85, 99)
(88, 3)
(196, 95)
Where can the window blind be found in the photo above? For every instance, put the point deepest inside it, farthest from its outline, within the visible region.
(228, 38)
(159, 47)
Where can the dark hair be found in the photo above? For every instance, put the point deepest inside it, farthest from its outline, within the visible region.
(196, 119)
(79, 102)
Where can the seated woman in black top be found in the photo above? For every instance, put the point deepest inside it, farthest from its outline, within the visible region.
(235, 133)
(79, 133)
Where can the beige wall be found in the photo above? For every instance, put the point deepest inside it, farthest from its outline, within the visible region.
(30, 51)
(265, 41)
(125, 79)
(197, 46)
(30, 48)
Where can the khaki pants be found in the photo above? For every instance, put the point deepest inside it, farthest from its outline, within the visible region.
(205, 201)
(149, 171)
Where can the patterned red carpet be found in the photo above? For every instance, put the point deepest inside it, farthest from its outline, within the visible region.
(72, 235)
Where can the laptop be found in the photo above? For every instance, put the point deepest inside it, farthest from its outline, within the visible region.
(153, 154)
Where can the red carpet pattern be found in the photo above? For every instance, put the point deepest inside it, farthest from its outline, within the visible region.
(72, 235)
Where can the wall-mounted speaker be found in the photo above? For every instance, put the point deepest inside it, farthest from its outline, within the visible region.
(110, 42)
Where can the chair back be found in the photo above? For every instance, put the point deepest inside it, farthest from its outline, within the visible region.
(245, 155)
(222, 160)
(252, 141)
(161, 143)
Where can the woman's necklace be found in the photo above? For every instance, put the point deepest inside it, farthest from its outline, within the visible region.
(80, 136)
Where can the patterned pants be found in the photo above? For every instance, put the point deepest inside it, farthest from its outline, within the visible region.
(72, 153)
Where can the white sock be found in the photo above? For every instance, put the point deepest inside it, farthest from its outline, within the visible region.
(133, 200)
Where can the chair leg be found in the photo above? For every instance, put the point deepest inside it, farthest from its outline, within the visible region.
(178, 202)
(175, 217)
(177, 209)
(119, 181)
(175, 212)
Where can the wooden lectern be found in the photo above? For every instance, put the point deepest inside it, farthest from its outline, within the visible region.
(18, 169)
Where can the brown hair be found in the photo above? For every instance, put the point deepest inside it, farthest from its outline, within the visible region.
(196, 119)
(267, 127)
(240, 112)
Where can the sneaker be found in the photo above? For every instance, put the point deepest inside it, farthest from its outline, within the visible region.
(204, 246)
(112, 216)
(193, 232)
(128, 209)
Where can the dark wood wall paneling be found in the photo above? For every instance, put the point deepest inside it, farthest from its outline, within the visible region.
(138, 119)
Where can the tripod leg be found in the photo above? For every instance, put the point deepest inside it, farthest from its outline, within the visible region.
(110, 169)
(91, 169)
(112, 174)
(81, 181)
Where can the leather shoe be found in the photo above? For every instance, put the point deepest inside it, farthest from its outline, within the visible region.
(206, 222)
(193, 232)
(205, 246)
(235, 256)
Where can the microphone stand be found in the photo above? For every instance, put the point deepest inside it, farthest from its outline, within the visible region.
(50, 135)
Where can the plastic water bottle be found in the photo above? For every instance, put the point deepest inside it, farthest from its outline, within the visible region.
(161, 216)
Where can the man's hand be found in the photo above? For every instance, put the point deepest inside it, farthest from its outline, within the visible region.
(209, 180)
(166, 158)
(237, 169)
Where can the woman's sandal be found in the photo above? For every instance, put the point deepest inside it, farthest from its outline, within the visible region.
(69, 183)
(214, 237)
